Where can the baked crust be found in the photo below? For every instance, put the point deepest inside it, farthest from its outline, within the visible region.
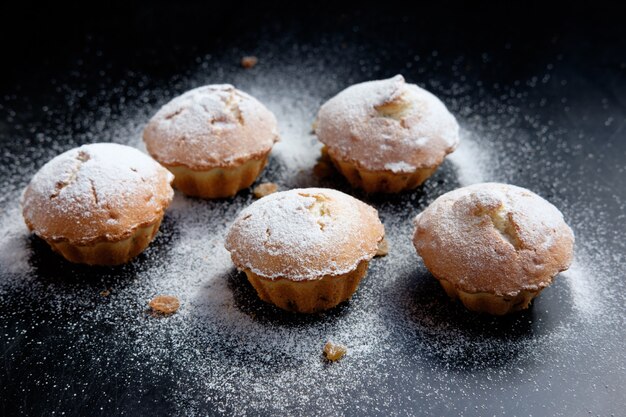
(381, 181)
(215, 126)
(108, 253)
(493, 246)
(96, 197)
(217, 182)
(310, 296)
(389, 132)
(484, 302)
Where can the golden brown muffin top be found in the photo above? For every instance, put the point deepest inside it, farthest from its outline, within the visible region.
(494, 238)
(387, 125)
(304, 234)
(209, 127)
(97, 192)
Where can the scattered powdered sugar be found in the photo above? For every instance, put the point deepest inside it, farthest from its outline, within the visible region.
(224, 351)
(586, 297)
(298, 149)
(471, 160)
(13, 247)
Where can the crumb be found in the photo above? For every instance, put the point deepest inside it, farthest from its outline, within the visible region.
(105, 293)
(334, 352)
(383, 247)
(249, 61)
(164, 304)
(264, 189)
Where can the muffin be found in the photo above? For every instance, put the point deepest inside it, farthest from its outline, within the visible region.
(386, 136)
(214, 139)
(98, 204)
(305, 250)
(493, 246)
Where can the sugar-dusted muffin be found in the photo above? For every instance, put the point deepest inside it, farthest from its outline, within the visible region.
(305, 250)
(386, 136)
(493, 246)
(215, 139)
(98, 204)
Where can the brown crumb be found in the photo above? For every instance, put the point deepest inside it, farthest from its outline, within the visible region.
(164, 304)
(249, 61)
(264, 189)
(334, 352)
(383, 247)
(105, 293)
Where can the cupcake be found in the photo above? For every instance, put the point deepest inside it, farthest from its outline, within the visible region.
(214, 139)
(98, 204)
(305, 250)
(386, 136)
(493, 246)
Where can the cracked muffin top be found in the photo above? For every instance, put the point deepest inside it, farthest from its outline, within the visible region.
(97, 192)
(209, 127)
(387, 125)
(494, 238)
(304, 234)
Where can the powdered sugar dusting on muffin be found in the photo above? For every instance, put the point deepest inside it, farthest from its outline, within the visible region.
(388, 123)
(533, 215)
(494, 238)
(304, 234)
(399, 167)
(211, 126)
(96, 183)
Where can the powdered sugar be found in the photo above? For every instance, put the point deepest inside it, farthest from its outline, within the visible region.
(471, 160)
(304, 234)
(587, 298)
(388, 123)
(399, 167)
(115, 171)
(93, 184)
(495, 238)
(211, 126)
(225, 351)
(13, 248)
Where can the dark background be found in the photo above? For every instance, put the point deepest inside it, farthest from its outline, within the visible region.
(41, 40)
(161, 39)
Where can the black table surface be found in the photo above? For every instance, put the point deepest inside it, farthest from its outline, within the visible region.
(540, 95)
